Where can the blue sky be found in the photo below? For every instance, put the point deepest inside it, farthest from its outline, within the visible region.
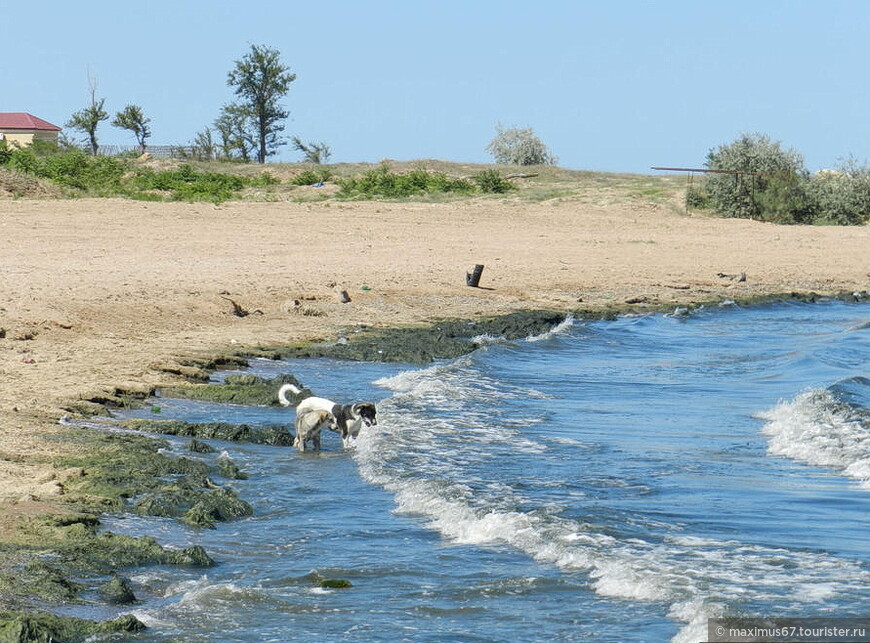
(611, 85)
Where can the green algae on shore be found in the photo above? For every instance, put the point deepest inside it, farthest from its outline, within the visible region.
(129, 471)
(38, 627)
(235, 389)
(274, 435)
(421, 344)
(39, 573)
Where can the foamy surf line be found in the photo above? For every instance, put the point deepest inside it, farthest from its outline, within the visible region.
(819, 429)
(562, 327)
(419, 454)
(696, 578)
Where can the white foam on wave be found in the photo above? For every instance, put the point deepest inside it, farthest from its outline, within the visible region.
(695, 577)
(817, 429)
(487, 340)
(200, 598)
(562, 327)
(418, 453)
(447, 385)
(450, 387)
(202, 594)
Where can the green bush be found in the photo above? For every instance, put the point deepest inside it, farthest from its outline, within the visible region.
(312, 177)
(107, 176)
(842, 196)
(22, 160)
(764, 183)
(73, 169)
(381, 182)
(186, 183)
(786, 199)
(516, 146)
(265, 179)
(773, 185)
(491, 182)
(697, 198)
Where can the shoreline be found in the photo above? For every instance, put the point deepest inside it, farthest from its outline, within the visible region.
(104, 299)
(86, 553)
(448, 338)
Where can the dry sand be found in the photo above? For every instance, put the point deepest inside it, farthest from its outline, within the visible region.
(98, 293)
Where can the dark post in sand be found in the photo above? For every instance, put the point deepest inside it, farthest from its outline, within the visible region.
(473, 278)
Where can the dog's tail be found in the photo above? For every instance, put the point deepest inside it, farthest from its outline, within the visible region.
(282, 394)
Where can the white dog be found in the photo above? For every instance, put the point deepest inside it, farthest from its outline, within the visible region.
(313, 413)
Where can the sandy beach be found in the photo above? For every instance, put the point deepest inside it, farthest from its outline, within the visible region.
(101, 293)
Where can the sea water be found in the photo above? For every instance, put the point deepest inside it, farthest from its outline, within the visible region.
(612, 481)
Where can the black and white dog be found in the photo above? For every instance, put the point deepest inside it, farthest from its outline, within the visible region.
(315, 413)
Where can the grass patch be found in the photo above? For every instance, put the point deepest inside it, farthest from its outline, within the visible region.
(312, 176)
(75, 173)
(383, 182)
(81, 174)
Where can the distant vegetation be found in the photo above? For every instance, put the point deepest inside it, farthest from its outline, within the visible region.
(82, 174)
(382, 182)
(316, 153)
(515, 146)
(764, 181)
(752, 177)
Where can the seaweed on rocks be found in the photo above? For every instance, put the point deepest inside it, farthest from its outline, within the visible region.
(129, 471)
(81, 548)
(216, 506)
(274, 435)
(235, 389)
(420, 345)
(39, 579)
(37, 627)
(229, 469)
(39, 571)
(117, 591)
(196, 446)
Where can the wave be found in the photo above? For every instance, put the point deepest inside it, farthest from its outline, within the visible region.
(696, 578)
(825, 428)
(193, 609)
(442, 449)
(451, 385)
(198, 599)
(562, 327)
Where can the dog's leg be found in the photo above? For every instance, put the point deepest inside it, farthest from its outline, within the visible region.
(300, 436)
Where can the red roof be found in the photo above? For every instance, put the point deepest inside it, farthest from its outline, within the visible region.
(21, 120)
